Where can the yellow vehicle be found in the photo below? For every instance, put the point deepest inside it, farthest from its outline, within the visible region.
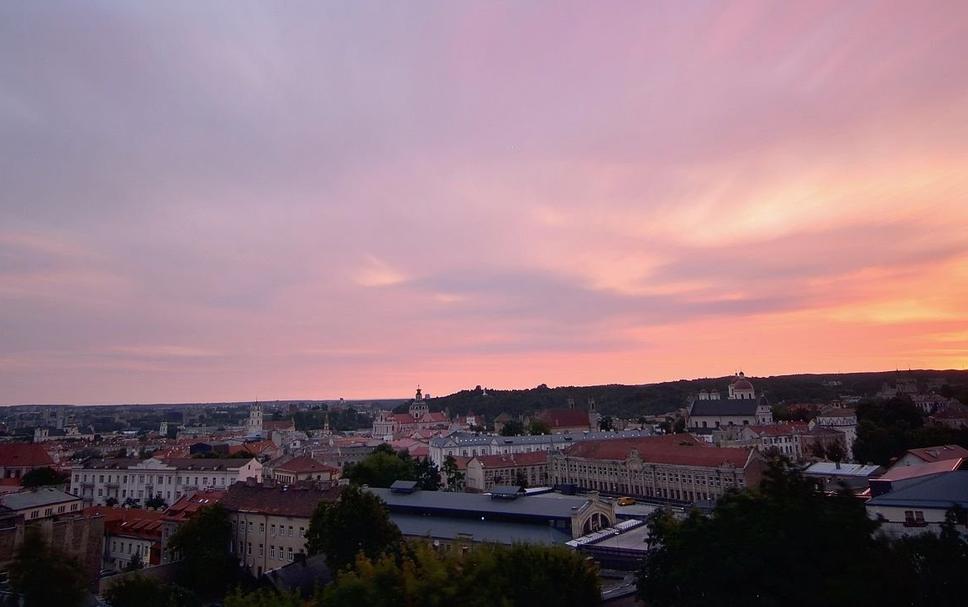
(625, 501)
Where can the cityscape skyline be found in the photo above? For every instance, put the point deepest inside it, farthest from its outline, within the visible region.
(300, 201)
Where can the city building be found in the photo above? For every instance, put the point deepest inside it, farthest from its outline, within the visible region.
(129, 534)
(675, 467)
(783, 438)
(470, 444)
(505, 516)
(920, 505)
(833, 476)
(303, 468)
(928, 455)
(570, 419)
(269, 521)
(59, 519)
(17, 459)
(841, 419)
(98, 480)
(742, 408)
(388, 424)
(40, 502)
(483, 472)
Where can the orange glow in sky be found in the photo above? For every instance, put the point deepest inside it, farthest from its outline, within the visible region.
(280, 201)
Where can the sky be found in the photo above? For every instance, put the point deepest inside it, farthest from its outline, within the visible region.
(267, 200)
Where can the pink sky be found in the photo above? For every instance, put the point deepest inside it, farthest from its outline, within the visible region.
(304, 200)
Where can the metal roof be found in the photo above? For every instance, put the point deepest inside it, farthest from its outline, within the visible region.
(834, 469)
(478, 504)
(497, 532)
(940, 492)
(724, 406)
(32, 498)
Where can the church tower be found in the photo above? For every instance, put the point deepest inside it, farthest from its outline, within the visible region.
(254, 425)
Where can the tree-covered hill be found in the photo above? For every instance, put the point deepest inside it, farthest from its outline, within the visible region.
(630, 401)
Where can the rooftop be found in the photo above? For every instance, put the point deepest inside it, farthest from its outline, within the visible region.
(941, 491)
(842, 469)
(24, 454)
(480, 505)
(939, 453)
(32, 498)
(281, 500)
(304, 464)
(497, 532)
(681, 449)
(725, 406)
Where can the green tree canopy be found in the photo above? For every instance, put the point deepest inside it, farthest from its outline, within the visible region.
(141, 591)
(357, 522)
(263, 598)
(512, 428)
(385, 466)
(486, 576)
(783, 544)
(202, 544)
(38, 477)
(44, 575)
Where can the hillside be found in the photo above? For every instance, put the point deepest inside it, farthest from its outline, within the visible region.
(648, 399)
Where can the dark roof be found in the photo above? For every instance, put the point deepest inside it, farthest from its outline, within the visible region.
(294, 500)
(205, 463)
(403, 486)
(24, 454)
(725, 406)
(302, 575)
(940, 491)
(440, 502)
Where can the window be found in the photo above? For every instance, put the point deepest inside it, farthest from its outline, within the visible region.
(289, 554)
(250, 547)
(290, 530)
(262, 527)
(261, 550)
(272, 551)
(272, 530)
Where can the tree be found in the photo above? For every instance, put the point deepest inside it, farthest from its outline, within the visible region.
(44, 576)
(744, 553)
(39, 477)
(380, 468)
(427, 474)
(135, 563)
(202, 544)
(141, 591)
(489, 575)
(512, 428)
(155, 502)
(111, 502)
(539, 427)
(263, 598)
(455, 478)
(358, 522)
(606, 423)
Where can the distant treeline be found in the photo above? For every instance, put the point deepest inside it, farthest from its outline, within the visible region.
(630, 401)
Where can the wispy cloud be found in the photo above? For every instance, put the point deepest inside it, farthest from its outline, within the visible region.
(303, 200)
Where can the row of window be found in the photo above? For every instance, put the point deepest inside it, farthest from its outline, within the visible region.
(188, 480)
(50, 511)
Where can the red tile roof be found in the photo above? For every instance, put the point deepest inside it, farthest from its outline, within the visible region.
(304, 464)
(279, 424)
(939, 453)
(26, 455)
(295, 500)
(513, 460)
(902, 472)
(564, 418)
(680, 449)
(187, 505)
(134, 522)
